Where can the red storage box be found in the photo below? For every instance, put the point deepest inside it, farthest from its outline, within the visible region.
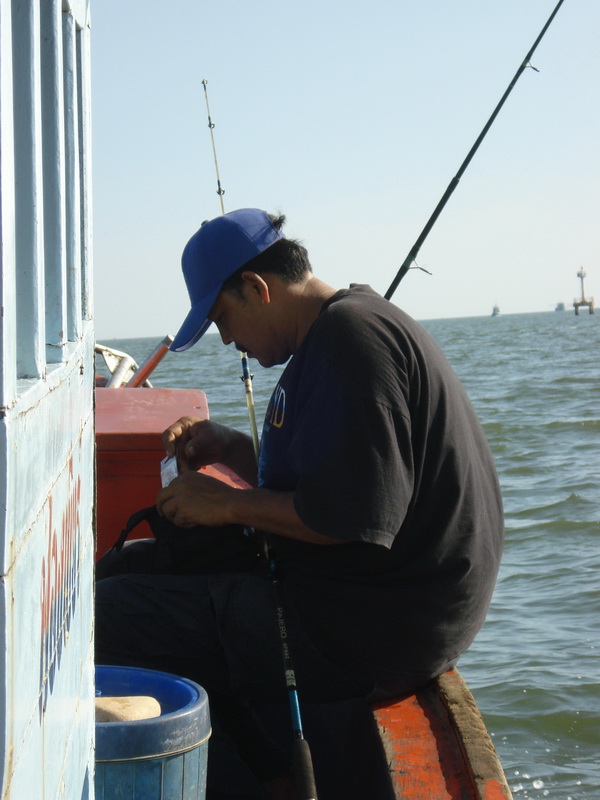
(129, 427)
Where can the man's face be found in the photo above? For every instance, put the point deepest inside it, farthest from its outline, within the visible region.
(242, 318)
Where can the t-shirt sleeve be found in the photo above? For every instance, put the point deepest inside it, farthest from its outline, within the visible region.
(351, 446)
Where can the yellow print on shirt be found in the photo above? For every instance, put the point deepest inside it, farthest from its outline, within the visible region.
(277, 414)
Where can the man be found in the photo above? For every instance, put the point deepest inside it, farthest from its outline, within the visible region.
(375, 487)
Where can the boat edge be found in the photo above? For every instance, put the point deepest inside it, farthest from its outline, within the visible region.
(474, 738)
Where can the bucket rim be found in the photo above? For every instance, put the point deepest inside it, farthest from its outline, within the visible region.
(177, 730)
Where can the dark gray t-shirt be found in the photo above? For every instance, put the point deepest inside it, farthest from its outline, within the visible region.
(371, 428)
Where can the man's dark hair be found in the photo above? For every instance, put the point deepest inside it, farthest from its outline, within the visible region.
(286, 258)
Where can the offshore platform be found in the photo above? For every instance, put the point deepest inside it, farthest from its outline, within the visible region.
(583, 302)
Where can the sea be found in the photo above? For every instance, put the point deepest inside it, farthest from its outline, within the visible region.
(534, 669)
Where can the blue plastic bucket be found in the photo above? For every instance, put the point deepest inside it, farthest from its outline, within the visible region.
(161, 758)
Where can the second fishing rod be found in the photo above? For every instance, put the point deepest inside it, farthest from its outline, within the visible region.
(302, 764)
(412, 255)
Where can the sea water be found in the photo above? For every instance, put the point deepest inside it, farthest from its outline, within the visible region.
(534, 380)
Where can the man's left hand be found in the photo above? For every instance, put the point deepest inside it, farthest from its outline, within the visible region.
(196, 499)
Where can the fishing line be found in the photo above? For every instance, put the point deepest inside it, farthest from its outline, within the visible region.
(246, 375)
(211, 127)
(410, 258)
(304, 778)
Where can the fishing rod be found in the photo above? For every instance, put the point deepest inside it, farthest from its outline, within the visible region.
(211, 127)
(304, 777)
(246, 375)
(410, 258)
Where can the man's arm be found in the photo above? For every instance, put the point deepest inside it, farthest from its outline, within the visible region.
(195, 499)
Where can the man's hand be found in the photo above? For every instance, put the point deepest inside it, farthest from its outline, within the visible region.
(196, 442)
(199, 442)
(195, 499)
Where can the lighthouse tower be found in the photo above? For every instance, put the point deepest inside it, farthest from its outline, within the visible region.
(589, 302)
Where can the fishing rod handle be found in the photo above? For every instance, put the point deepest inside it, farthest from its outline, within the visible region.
(304, 776)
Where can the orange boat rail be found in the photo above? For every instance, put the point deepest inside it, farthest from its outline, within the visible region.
(437, 745)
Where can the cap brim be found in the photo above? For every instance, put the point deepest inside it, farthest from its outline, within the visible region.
(195, 324)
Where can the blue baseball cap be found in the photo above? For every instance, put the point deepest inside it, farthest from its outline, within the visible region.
(219, 248)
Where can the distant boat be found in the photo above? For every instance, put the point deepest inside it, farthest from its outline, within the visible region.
(560, 307)
(495, 311)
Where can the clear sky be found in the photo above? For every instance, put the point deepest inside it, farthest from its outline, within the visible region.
(351, 118)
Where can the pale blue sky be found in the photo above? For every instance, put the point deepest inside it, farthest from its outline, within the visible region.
(351, 118)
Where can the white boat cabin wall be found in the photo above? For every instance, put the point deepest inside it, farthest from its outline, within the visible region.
(46, 405)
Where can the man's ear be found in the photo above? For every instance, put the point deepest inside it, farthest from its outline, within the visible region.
(257, 285)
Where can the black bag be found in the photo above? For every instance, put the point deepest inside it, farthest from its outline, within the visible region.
(178, 551)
